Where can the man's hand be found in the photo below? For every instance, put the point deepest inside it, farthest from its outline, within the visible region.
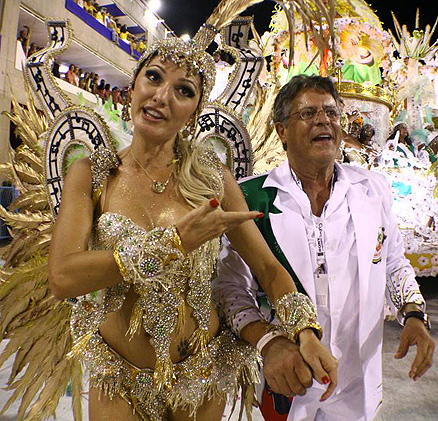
(415, 333)
(285, 369)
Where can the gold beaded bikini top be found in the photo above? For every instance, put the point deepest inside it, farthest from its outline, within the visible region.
(160, 307)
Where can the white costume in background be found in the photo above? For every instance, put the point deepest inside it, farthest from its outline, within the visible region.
(364, 260)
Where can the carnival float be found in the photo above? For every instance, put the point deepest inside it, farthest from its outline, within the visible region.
(388, 82)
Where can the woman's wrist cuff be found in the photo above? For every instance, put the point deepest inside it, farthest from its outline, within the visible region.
(120, 265)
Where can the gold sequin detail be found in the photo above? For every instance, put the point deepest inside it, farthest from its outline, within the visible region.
(228, 364)
(160, 296)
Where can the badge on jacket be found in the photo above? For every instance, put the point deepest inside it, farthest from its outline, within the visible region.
(381, 237)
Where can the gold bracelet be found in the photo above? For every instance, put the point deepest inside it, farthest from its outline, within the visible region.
(122, 268)
(296, 312)
(316, 327)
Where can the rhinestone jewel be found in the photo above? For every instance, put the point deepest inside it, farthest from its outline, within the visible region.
(158, 187)
(144, 378)
(151, 266)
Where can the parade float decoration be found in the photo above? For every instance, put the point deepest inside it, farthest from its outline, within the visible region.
(363, 64)
(416, 90)
(414, 180)
(360, 58)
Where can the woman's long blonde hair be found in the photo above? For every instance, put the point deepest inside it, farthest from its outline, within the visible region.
(199, 173)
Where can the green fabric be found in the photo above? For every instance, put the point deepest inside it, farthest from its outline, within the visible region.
(302, 69)
(262, 200)
(361, 73)
(410, 147)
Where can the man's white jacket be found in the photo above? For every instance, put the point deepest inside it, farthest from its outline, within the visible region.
(382, 266)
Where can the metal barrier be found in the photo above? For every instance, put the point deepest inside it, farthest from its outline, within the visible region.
(7, 195)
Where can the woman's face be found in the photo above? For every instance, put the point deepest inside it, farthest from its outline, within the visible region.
(403, 130)
(164, 98)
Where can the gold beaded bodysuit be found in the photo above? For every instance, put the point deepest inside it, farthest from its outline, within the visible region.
(218, 367)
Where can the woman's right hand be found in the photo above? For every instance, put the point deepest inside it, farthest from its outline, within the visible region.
(323, 364)
(209, 221)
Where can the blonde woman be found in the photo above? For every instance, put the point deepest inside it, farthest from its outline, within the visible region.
(154, 213)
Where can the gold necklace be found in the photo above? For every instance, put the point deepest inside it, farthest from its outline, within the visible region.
(157, 187)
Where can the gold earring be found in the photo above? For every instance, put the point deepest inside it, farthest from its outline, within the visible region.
(189, 130)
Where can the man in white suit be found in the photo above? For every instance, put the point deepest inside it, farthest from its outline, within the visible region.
(332, 228)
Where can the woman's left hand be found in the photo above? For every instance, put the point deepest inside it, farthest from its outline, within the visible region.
(322, 363)
(209, 221)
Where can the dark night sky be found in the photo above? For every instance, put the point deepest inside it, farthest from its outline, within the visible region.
(188, 15)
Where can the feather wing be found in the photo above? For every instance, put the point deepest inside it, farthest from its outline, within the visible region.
(268, 152)
(34, 324)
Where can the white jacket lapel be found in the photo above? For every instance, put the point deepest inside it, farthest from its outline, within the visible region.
(366, 216)
(288, 226)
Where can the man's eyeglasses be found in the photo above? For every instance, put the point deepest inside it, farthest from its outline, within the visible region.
(310, 113)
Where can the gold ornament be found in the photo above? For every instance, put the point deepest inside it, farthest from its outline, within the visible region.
(157, 186)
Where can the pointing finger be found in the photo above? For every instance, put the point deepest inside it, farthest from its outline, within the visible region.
(242, 216)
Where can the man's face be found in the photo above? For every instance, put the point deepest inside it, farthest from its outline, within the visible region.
(355, 129)
(317, 139)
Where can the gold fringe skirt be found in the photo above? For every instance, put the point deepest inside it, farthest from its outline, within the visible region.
(228, 365)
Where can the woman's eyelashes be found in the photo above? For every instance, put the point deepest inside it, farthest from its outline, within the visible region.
(184, 90)
(153, 75)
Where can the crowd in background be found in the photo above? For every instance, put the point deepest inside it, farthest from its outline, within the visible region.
(29, 48)
(118, 30)
(89, 81)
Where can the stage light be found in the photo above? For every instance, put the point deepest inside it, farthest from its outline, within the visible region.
(154, 5)
(185, 37)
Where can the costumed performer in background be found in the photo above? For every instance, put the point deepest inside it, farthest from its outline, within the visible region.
(332, 223)
(405, 144)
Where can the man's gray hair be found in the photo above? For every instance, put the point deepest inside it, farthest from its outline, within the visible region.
(298, 84)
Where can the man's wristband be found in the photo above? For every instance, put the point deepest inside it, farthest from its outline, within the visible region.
(266, 338)
(418, 315)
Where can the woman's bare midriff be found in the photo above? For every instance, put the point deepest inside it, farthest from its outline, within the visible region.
(125, 193)
(139, 351)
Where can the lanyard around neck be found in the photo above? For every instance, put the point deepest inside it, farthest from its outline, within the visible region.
(318, 228)
(318, 225)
